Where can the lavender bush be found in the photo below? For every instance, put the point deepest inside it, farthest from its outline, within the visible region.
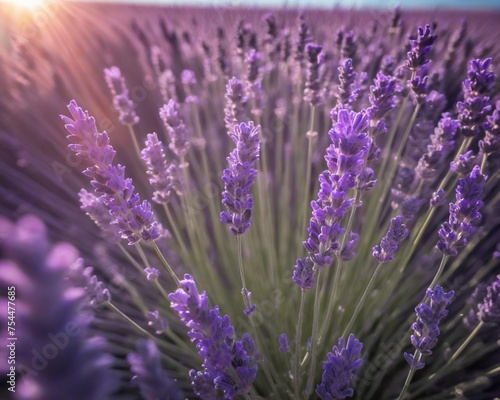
(267, 205)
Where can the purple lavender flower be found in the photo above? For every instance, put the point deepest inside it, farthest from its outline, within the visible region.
(303, 273)
(381, 98)
(397, 232)
(151, 273)
(426, 328)
(471, 320)
(420, 48)
(340, 370)
(234, 111)
(156, 322)
(152, 380)
(477, 104)
(188, 79)
(347, 94)
(464, 163)
(489, 309)
(121, 100)
(239, 178)
(491, 142)
(313, 93)
(481, 79)
(442, 143)
(438, 198)
(283, 343)
(170, 114)
(228, 364)
(48, 320)
(304, 37)
(98, 212)
(345, 159)
(464, 213)
(162, 177)
(133, 218)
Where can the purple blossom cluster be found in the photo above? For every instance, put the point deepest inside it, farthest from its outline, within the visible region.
(345, 158)
(164, 178)
(477, 103)
(489, 308)
(170, 114)
(239, 178)
(229, 365)
(72, 364)
(464, 213)
(426, 328)
(397, 232)
(135, 220)
(121, 99)
(340, 370)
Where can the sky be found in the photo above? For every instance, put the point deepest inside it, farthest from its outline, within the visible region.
(461, 4)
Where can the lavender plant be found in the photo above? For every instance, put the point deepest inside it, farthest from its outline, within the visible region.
(305, 162)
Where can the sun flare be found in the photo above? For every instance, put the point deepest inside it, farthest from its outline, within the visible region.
(28, 4)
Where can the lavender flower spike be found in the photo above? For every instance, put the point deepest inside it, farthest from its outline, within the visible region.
(425, 329)
(135, 220)
(489, 309)
(161, 175)
(390, 242)
(228, 364)
(340, 369)
(420, 48)
(239, 178)
(170, 114)
(121, 100)
(464, 213)
(48, 319)
(152, 380)
(303, 273)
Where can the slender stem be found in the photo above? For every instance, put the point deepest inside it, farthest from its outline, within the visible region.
(465, 343)
(142, 255)
(439, 272)
(445, 180)
(310, 138)
(338, 270)
(416, 356)
(483, 163)
(362, 300)
(160, 288)
(244, 290)
(314, 335)
(129, 320)
(130, 258)
(134, 140)
(296, 372)
(175, 230)
(166, 265)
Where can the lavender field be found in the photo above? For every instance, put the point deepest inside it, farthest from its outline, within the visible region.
(228, 203)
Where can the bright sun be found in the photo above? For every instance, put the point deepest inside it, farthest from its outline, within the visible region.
(31, 4)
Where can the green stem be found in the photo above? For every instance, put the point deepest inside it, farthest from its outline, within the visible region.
(134, 140)
(465, 343)
(244, 290)
(314, 335)
(362, 300)
(129, 320)
(310, 138)
(438, 273)
(296, 372)
(416, 356)
(166, 265)
(483, 163)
